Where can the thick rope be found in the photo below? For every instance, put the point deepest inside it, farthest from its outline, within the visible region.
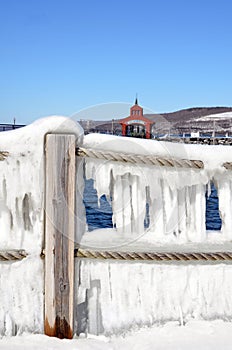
(3, 155)
(139, 159)
(90, 254)
(8, 255)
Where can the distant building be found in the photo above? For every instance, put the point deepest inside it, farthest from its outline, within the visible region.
(137, 125)
(7, 127)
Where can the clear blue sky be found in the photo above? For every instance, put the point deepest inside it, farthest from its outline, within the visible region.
(60, 56)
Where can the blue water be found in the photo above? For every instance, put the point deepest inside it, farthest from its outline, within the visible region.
(99, 215)
(213, 220)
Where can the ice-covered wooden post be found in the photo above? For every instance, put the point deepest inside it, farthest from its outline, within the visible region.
(59, 234)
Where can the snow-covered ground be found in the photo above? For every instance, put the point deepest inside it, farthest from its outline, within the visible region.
(200, 335)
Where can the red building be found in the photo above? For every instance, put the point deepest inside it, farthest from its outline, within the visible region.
(136, 124)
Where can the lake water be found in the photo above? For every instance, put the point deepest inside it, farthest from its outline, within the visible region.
(99, 215)
(213, 220)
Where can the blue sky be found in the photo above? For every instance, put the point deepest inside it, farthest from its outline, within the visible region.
(61, 56)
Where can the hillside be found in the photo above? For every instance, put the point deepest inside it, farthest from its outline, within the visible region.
(192, 113)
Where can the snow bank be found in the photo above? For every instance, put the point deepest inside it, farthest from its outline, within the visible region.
(22, 222)
(194, 335)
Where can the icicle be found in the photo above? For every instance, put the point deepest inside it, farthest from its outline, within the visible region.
(200, 204)
(157, 210)
(171, 210)
(208, 189)
(138, 203)
(80, 209)
(117, 204)
(190, 212)
(102, 176)
(182, 219)
(224, 189)
(126, 193)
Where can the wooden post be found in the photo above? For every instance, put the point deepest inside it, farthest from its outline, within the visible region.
(59, 234)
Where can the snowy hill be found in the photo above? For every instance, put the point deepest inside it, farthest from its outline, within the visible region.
(220, 122)
(194, 113)
(216, 117)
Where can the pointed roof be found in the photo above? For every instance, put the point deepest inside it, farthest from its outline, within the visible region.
(136, 100)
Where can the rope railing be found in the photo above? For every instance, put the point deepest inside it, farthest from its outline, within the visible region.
(139, 159)
(228, 165)
(132, 158)
(12, 255)
(154, 256)
(3, 155)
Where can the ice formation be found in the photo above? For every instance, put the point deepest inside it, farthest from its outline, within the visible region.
(113, 297)
(116, 296)
(175, 197)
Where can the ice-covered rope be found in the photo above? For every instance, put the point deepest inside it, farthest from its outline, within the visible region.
(8, 255)
(154, 256)
(3, 155)
(228, 165)
(139, 159)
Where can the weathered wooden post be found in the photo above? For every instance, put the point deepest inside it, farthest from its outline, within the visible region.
(59, 234)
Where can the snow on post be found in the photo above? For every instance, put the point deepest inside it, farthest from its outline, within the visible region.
(22, 186)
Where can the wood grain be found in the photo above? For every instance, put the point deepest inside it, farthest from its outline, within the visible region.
(59, 234)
